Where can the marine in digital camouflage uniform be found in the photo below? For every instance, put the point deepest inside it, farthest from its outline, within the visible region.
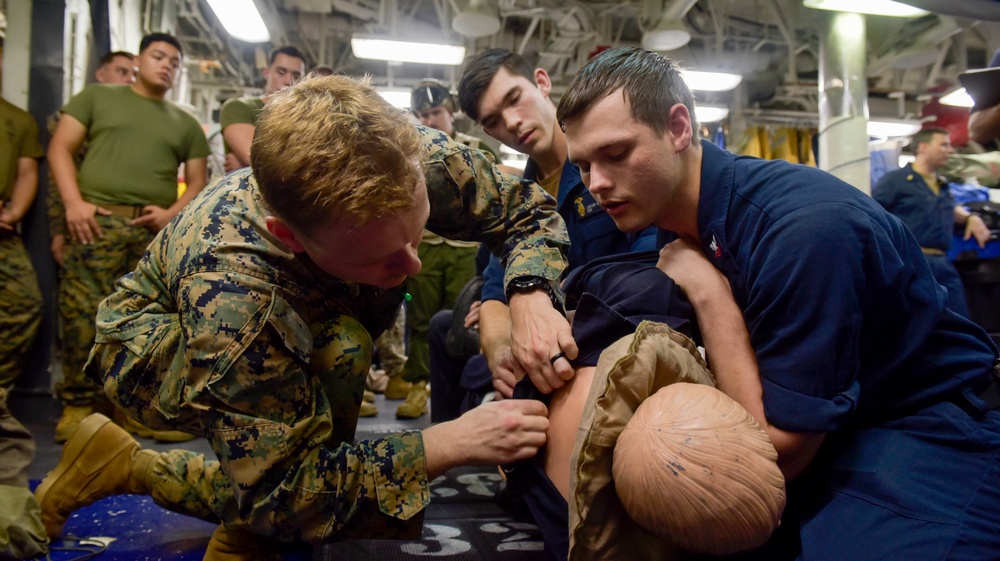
(447, 264)
(223, 331)
(20, 297)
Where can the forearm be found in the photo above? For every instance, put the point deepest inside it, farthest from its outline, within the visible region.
(961, 214)
(189, 194)
(734, 365)
(239, 138)
(63, 169)
(494, 327)
(441, 449)
(25, 188)
(332, 491)
(471, 200)
(196, 175)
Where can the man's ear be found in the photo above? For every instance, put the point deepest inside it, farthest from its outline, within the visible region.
(679, 127)
(543, 81)
(284, 234)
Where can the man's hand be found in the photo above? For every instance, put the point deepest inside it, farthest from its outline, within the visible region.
(501, 365)
(539, 333)
(58, 248)
(498, 432)
(153, 218)
(692, 271)
(7, 219)
(81, 224)
(975, 227)
(472, 318)
(232, 163)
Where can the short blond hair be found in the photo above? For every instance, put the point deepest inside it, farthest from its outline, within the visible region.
(331, 147)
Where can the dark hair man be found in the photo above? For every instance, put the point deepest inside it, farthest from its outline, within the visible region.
(266, 296)
(880, 400)
(238, 116)
(122, 194)
(509, 98)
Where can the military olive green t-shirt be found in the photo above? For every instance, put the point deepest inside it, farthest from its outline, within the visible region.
(240, 110)
(135, 143)
(18, 139)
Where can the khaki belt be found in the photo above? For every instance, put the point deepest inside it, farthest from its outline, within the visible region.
(125, 211)
(932, 251)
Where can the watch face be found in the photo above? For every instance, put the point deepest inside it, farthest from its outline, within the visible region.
(529, 283)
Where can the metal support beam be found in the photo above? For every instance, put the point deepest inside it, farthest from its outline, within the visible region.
(843, 99)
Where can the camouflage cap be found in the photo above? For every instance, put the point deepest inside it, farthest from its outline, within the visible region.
(430, 93)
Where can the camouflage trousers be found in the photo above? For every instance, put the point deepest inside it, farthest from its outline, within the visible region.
(20, 307)
(444, 272)
(17, 448)
(391, 347)
(88, 276)
(149, 379)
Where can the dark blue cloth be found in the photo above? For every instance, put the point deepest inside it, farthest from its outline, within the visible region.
(930, 217)
(947, 275)
(615, 294)
(854, 338)
(592, 232)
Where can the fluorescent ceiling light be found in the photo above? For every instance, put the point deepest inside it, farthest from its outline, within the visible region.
(379, 48)
(397, 97)
(711, 81)
(241, 20)
(710, 113)
(871, 7)
(958, 98)
(891, 128)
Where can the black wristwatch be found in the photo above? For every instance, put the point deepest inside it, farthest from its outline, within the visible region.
(530, 283)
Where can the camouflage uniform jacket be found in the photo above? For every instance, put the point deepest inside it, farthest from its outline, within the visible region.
(216, 329)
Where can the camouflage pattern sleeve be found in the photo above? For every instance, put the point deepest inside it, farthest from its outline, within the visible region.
(279, 402)
(472, 200)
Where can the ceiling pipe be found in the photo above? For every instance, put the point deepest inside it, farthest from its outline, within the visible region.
(843, 99)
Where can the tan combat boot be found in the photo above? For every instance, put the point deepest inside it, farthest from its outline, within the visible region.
(98, 461)
(368, 408)
(70, 420)
(234, 544)
(416, 402)
(142, 431)
(397, 388)
(73, 414)
(376, 380)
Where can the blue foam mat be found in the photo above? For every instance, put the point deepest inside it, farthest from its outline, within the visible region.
(136, 529)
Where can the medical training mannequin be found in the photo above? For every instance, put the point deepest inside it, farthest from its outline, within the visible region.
(635, 331)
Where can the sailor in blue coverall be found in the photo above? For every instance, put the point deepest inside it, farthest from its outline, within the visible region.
(929, 211)
(883, 403)
(866, 350)
(592, 234)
